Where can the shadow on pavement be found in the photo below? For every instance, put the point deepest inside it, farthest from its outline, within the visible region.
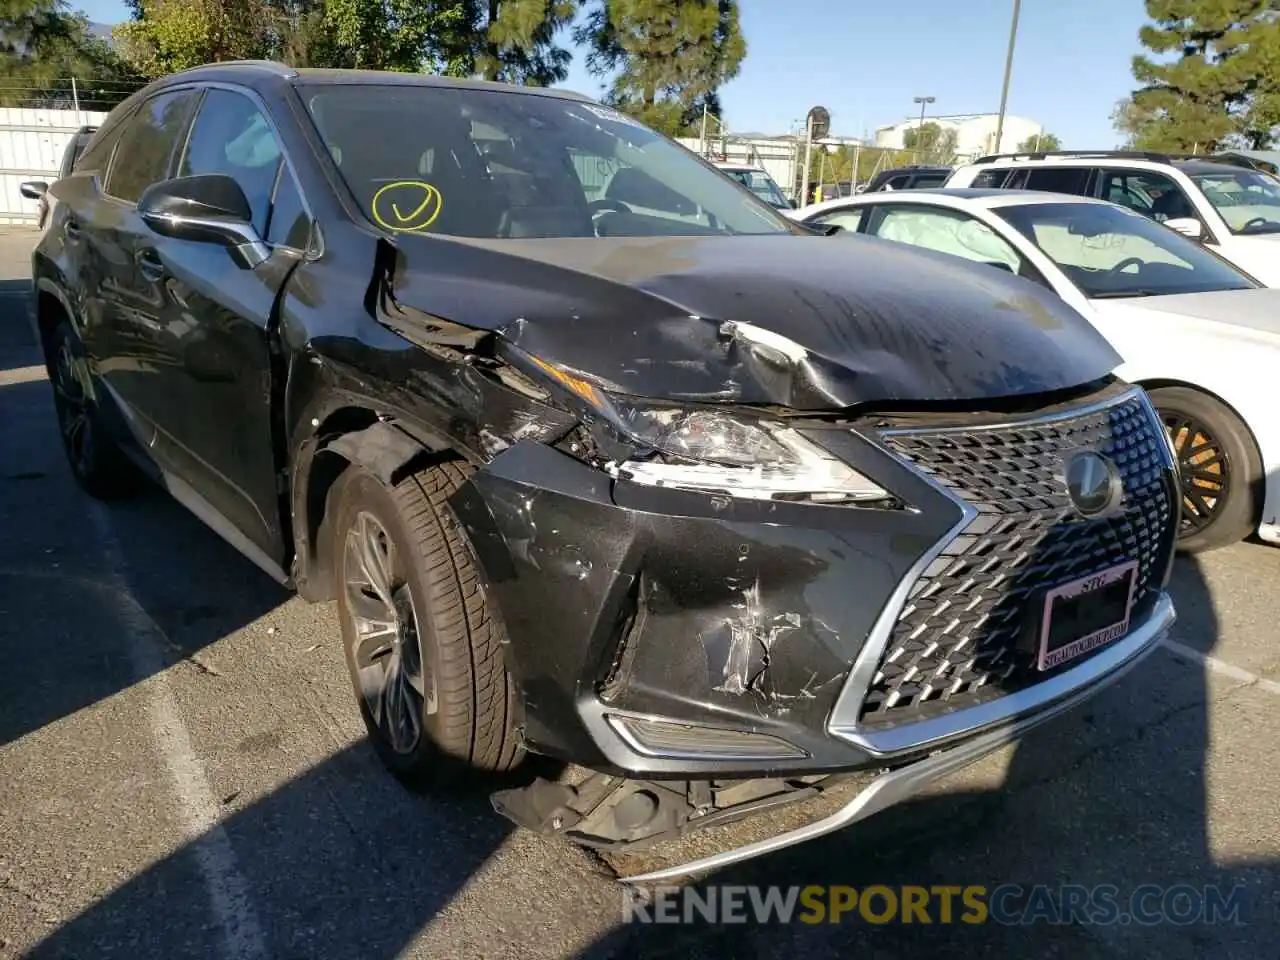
(57, 583)
(361, 884)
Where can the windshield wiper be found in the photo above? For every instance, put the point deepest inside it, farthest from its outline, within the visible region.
(1124, 294)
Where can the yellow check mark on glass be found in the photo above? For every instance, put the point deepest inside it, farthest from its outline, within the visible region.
(405, 218)
(426, 211)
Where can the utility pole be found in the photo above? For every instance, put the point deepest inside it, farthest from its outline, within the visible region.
(924, 102)
(1008, 70)
(808, 157)
(703, 144)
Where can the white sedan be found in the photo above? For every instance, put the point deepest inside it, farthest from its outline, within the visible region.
(1201, 336)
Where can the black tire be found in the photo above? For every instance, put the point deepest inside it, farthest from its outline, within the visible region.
(100, 467)
(441, 608)
(1220, 465)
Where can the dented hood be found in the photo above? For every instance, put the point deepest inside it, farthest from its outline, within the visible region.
(804, 322)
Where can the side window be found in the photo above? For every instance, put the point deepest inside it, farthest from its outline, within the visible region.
(945, 231)
(899, 182)
(71, 154)
(231, 136)
(989, 179)
(290, 225)
(148, 143)
(97, 155)
(1059, 180)
(1151, 194)
(850, 218)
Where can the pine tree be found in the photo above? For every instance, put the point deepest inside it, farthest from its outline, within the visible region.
(1221, 84)
(666, 59)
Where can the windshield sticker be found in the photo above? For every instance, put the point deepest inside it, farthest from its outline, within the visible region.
(406, 206)
(614, 116)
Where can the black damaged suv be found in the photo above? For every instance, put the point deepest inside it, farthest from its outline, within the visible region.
(602, 457)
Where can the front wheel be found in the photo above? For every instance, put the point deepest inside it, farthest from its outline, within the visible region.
(1219, 465)
(422, 646)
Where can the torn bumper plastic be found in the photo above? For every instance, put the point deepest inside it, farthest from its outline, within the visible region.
(900, 784)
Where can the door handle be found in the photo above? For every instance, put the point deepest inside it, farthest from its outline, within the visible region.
(149, 264)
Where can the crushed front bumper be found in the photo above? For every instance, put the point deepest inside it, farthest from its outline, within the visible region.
(659, 635)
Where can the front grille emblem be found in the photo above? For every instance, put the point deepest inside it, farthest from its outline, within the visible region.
(1093, 483)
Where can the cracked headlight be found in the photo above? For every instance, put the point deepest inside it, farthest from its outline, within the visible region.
(715, 452)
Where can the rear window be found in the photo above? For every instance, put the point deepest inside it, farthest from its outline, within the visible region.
(928, 180)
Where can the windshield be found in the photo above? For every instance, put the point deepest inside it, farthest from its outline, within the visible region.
(1247, 199)
(761, 184)
(1108, 251)
(482, 163)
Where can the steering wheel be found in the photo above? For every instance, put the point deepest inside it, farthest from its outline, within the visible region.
(1128, 262)
(605, 205)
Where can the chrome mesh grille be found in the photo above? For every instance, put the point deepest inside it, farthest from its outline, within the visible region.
(962, 636)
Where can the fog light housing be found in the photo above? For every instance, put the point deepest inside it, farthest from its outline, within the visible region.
(662, 738)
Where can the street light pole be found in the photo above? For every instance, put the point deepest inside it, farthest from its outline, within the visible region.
(924, 102)
(1008, 70)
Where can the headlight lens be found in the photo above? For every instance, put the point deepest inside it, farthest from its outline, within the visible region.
(718, 452)
(732, 455)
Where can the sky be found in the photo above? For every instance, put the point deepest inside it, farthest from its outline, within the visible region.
(864, 60)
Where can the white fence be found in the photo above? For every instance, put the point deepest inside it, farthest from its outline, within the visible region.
(31, 146)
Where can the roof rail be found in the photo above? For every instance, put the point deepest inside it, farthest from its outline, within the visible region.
(274, 66)
(1229, 158)
(1079, 154)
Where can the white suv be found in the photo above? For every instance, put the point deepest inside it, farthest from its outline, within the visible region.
(1233, 209)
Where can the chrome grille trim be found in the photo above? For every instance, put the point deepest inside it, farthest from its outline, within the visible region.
(912, 734)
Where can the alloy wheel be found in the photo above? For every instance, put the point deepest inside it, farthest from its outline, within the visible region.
(72, 405)
(1204, 467)
(386, 645)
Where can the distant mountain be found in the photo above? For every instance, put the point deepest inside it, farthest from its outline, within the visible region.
(101, 31)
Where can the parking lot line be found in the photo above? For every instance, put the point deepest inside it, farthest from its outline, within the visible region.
(10, 378)
(1221, 666)
(198, 811)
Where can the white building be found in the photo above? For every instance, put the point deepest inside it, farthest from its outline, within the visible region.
(975, 133)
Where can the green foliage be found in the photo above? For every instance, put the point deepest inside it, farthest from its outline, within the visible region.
(511, 40)
(665, 59)
(517, 41)
(1040, 143)
(1214, 79)
(43, 45)
(170, 35)
(931, 143)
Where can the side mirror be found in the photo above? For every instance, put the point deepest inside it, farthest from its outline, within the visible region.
(209, 208)
(33, 189)
(1187, 226)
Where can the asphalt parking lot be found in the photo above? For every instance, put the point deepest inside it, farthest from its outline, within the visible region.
(183, 772)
